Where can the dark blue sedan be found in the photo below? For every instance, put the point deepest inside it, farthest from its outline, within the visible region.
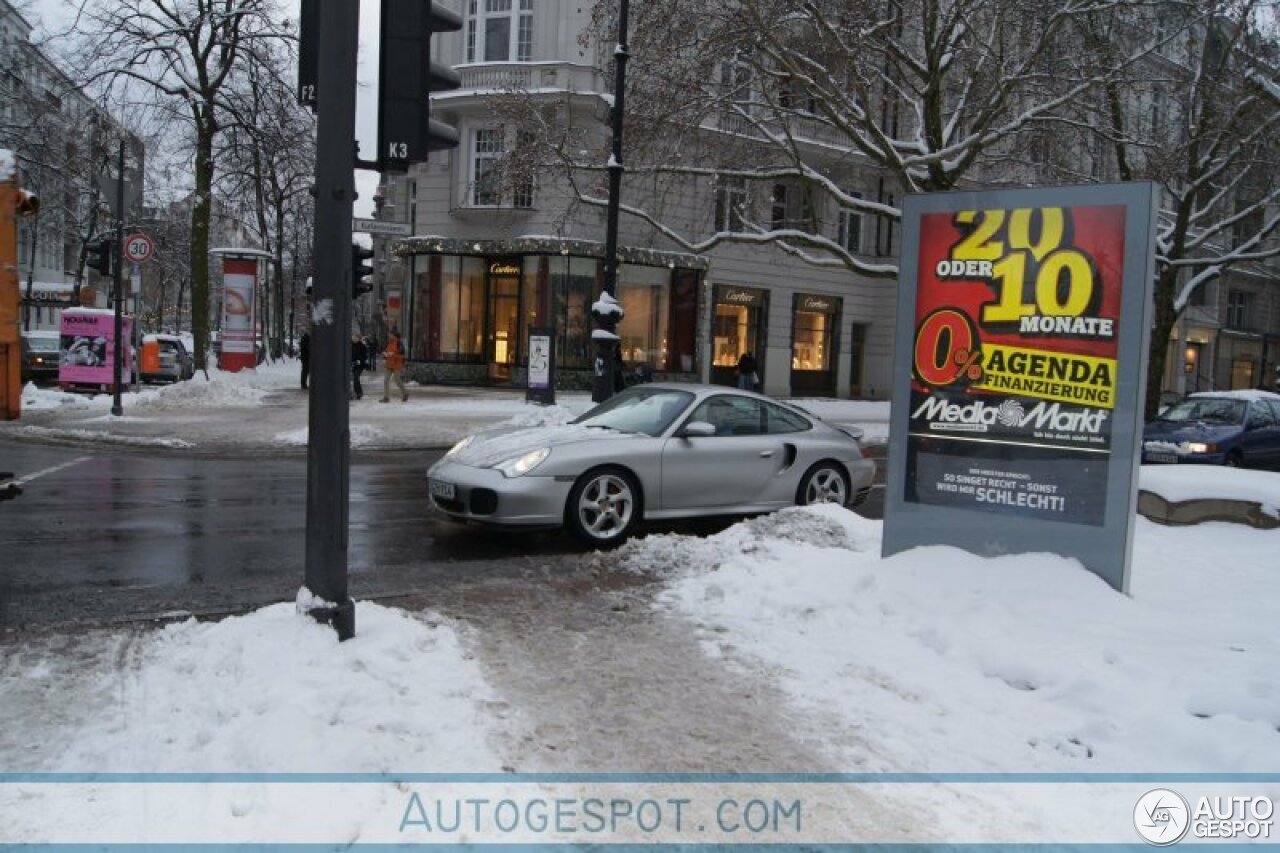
(1238, 428)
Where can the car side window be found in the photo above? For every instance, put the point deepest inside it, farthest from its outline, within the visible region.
(1260, 415)
(1275, 409)
(731, 415)
(782, 420)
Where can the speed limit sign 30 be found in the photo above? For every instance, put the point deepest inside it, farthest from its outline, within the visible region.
(138, 247)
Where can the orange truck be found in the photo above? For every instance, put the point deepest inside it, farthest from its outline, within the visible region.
(14, 202)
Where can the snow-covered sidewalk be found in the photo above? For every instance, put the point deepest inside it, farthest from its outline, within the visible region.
(784, 643)
(265, 410)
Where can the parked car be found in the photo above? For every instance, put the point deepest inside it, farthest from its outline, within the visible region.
(653, 451)
(40, 355)
(1239, 428)
(165, 358)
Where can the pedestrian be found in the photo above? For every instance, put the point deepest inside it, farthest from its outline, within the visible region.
(371, 347)
(304, 355)
(619, 370)
(747, 378)
(393, 355)
(358, 360)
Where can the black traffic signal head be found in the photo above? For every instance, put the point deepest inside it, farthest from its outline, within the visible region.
(98, 256)
(361, 270)
(406, 74)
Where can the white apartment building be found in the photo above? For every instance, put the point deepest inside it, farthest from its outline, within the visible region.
(490, 260)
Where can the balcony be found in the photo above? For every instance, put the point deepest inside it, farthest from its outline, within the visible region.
(530, 76)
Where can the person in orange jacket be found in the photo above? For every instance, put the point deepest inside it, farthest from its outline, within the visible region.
(393, 355)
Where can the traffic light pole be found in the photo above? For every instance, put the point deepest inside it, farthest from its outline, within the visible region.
(328, 447)
(117, 408)
(607, 342)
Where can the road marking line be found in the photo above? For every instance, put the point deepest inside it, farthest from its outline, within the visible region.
(18, 481)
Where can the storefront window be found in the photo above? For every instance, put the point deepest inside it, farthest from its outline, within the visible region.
(420, 328)
(643, 291)
(573, 285)
(682, 330)
(462, 308)
(812, 341)
(736, 325)
(810, 352)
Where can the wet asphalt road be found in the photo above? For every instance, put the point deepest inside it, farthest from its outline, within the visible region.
(105, 535)
(117, 534)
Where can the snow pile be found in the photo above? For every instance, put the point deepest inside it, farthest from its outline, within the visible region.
(940, 660)
(1177, 483)
(534, 415)
(275, 691)
(362, 435)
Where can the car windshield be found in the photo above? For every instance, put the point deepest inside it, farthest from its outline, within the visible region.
(646, 410)
(42, 343)
(1210, 410)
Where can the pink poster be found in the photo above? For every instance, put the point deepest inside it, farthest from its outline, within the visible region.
(88, 347)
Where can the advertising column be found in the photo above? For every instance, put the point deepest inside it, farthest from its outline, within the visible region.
(1023, 324)
(239, 283)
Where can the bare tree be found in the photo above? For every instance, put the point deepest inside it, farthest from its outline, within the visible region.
(889, 97)
(180, 56)
(269, 154)
(1209, 136)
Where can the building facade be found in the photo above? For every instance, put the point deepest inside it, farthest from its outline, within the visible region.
(494, 255)
(63, 142)
(498, 251)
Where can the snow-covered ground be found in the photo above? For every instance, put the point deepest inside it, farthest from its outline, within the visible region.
(933, 661)
(265, 408)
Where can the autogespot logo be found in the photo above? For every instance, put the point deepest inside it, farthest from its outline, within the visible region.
(1161, 817)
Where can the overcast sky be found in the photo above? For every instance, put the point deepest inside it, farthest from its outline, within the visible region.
(49, 16)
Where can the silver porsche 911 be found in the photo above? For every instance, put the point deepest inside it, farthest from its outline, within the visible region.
(657, 451)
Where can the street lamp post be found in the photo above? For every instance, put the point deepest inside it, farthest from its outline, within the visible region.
(606, 334)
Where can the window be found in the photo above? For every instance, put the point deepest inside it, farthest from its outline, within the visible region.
(782, 420)
(778, 214)
(731, 415)
(486, 182)
(493, 182)
(731, 204)
(1237, 309)
(849, 228)
(735, 82)
(462, 308)
(643, 292)
(573, 288)
(502, 32)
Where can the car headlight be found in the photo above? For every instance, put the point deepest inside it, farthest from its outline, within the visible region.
(523, 464)
(1200, 447)
(460, 446)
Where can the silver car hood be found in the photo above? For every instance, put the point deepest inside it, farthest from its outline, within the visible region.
(490, 447)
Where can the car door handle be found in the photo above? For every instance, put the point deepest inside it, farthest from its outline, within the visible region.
(766, 453)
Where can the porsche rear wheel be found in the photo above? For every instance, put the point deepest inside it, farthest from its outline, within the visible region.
(824, 483)
(603, 506)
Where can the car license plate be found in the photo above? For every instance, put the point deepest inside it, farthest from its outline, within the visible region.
(1162, 457)
(440, 489)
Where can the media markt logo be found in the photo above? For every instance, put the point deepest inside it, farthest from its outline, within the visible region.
(1161, 816)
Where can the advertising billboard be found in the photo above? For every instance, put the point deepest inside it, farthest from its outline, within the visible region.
(239, 319)
(1023, 323)
(87, 347)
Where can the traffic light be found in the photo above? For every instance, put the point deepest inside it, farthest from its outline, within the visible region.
(406, 74)
(98, 256)
(361, 271)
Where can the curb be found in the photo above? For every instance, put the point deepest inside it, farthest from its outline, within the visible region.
(1197, 511)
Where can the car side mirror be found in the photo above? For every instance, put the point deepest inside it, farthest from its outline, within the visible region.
(697, 429)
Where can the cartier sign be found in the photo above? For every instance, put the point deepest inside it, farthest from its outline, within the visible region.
(741, 296)
(500, 268)
(820, 304)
